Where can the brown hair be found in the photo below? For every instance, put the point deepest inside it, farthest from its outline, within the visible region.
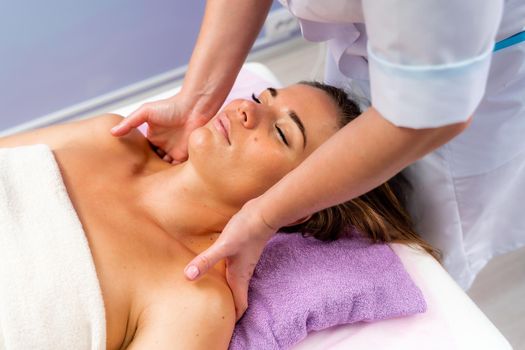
(380, 213)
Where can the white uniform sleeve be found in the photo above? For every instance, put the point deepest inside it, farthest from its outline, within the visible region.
(429, 59)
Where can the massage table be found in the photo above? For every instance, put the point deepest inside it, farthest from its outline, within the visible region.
(452, 320)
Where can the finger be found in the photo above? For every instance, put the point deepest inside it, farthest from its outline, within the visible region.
(134, 120)
(205, 261)
(179, 150)
(179, 157)
(239, 288)
(238, 277)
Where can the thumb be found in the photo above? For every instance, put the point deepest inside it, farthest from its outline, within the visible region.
(134, 120)
(200, 265)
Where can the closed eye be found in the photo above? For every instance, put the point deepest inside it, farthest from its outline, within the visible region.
(281, 133)
(283, 137)
(255, 98)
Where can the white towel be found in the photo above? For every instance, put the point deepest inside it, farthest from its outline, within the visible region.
(50, 297)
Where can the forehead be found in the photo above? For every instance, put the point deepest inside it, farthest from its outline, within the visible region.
(316, 109)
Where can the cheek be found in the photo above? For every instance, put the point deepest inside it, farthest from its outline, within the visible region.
(240, 173)
(248, 170)
(264, 166)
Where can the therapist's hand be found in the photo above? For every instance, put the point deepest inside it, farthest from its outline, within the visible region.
(170, 122)
(241, 243)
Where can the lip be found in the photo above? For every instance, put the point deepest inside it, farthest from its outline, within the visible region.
(222, 124)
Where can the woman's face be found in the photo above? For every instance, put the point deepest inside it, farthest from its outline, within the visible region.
(249, 145)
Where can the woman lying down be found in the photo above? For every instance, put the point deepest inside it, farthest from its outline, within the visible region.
(95, 230)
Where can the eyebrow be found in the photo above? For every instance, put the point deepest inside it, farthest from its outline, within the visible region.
(273, 92)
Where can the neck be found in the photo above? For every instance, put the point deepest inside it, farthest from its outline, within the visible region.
(178, 201)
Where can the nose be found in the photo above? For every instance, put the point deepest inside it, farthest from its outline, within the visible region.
(248, 114)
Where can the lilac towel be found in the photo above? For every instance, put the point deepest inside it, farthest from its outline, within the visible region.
(302, 285)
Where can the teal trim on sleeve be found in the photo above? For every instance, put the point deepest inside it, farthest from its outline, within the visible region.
(512, 40)
(429, 67)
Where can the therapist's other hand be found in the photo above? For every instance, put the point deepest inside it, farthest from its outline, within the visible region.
(241, 244)
(170, 122)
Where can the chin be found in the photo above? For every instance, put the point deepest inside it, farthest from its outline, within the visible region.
(201, 140)
(206, 153)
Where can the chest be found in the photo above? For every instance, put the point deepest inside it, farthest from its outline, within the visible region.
(136, 262)
(121, 252)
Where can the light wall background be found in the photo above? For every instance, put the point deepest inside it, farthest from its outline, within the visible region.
(59, 53)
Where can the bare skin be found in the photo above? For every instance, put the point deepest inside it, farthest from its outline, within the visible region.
(143, 217)
(139, 265)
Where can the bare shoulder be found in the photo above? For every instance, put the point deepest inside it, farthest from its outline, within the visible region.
(96, 132)
(107, 119)
(198, 315)
(101, 124)
(85, 131)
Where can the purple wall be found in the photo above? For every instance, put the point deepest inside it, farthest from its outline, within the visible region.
(58, 53)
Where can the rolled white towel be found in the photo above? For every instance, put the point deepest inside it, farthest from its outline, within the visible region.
(50, 297)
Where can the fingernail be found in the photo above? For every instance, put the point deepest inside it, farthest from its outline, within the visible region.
(192, 272)
(115, 128)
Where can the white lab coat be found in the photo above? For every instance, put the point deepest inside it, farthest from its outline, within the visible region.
(430, 63)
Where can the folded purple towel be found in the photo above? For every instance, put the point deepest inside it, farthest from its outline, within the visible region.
(302, 285)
